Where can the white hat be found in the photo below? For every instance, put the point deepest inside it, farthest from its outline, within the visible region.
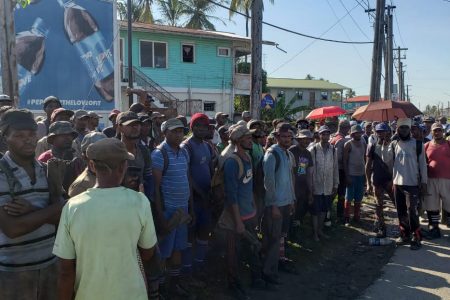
(404, 122)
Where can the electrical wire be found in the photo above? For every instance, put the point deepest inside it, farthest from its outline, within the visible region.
(354, 21)
(289, 30)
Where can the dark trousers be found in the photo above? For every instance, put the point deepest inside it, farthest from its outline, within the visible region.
(407, 201)
(241, 249)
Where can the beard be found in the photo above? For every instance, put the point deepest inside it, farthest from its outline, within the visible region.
(404, 137)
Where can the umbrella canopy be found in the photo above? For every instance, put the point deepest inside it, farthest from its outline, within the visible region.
(325, 112)
(386, 111)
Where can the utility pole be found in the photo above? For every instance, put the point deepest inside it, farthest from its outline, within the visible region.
(7, 50)
(377, 52)
(256, 67)
(130, 52)
(401, 74)
(388, 56)
(407, 93)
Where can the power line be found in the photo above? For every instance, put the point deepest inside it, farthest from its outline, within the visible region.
(288, 30)
(371, 14)
(312, 42)
(398, 29)
(350, 15)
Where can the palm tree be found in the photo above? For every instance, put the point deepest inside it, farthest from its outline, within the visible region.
(243, 6)
(171, 11)
(140, 10)
(199, 14)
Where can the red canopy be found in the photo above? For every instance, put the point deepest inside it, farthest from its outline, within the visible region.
(325, 112)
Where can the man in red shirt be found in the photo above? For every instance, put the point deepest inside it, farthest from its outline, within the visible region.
(438, 160)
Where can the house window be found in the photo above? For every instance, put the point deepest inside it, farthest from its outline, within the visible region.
(153, 54)
(188, 54)
(324, 96)
(299, 95)
(224, 52)
(209, 106)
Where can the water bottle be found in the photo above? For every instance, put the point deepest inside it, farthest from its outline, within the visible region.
(83, 32)
(30, 52)
(379, 241)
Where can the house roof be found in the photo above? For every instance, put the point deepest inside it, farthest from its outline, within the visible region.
(290, 83)
(358, 99)
(144, 27)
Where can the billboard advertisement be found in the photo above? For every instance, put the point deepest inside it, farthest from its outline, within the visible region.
(65, 48)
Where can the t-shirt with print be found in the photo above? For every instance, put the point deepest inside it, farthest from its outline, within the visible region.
(102, 229)
(200, 163)
(175, 190)
(303, 161)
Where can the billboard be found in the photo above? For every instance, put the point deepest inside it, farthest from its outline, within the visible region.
(65, 48)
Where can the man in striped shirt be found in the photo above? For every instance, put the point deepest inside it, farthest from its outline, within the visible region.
(27, 215)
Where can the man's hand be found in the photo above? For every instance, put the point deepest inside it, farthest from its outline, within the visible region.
(292, 208)
(424, 189)
(19, 207)
(240, 228)
(276, 213)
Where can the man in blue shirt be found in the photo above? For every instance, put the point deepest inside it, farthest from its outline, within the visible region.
(279, 200)
(240, 205)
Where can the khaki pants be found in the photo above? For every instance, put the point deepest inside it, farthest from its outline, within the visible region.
(438, 190)
(29, 285)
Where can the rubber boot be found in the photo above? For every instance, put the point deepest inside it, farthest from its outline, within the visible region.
(347, 208)
(357, 213)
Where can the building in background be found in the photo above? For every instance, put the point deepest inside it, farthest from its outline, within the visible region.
(351, 104)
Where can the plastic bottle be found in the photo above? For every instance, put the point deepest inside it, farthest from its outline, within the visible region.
(379, 241)
(30, 52)
(83, 32)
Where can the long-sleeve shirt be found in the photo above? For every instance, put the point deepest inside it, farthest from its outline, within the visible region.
(325, 170)
(278, 182)
(406, 164)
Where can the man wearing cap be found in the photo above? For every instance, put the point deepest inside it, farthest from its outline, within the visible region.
(94, 119)
(80, 123)
(279, 201)
(224, 138)
(111, 131)
(438, 158)
(157, 136)
(101, 230)
(221, 120)
(379, 174)
(410, 181)
(428, 121)
(27, 215)
(201, 170)
(5, 100)
(246, 116)
(146, 127)
(367, 131)
(50, 104)
(170, 165)
(325, 179)
(445, 126)
(129, 127)
(86, 179)
(338, 141)
(240, 205)
(303, 176)
(354, 168)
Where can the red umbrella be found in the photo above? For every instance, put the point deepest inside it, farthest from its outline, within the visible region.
(325, 112)
(386, 111)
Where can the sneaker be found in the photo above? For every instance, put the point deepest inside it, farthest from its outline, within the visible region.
(403, 240)
(433, 233)
(347, 221)
(415, 244)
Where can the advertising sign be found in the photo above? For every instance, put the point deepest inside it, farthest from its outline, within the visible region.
(267, 101)
(65, 48)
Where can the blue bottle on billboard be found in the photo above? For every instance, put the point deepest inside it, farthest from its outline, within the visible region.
(30, 52)
(83, 32)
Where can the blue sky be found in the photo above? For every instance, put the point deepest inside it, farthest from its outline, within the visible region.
(424, 29)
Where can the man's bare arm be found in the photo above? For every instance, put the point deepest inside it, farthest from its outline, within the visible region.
(66, 278)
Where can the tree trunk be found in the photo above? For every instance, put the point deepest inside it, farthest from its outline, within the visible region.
(256, 70)
(7, 51)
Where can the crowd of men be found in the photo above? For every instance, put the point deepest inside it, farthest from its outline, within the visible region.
(130, 212)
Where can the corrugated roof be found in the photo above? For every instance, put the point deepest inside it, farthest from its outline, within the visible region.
(359, 99)
(184, 31)
(304, 84)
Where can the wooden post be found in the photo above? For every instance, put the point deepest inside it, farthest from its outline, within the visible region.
(256, 67)
(377, 52)
(7, 50)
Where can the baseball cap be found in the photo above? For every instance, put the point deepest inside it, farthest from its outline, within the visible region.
(93, 114)
(304, 134)
(437, 126)
(59, 111)
(90, 138)
(143, 117)
(324, 128)
(51, 99)
(240, 131)
(353, 122)
(113, 113)
(108, 150)
(127, 117)
(136, 107)
(246, 114)
(4, 98)
(59, 128)
(19, 119)
(80, 114)
(345, 123)
(223, 130)
(382, 127)
(428, 120)
(199, 118)
(355, 129)
(157, 114)
(252, 123)
(219, 114)
(171, 124)
(283, 127)
(183, 120)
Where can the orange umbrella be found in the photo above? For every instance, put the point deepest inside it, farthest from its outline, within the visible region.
(386, 111)
(326, 112)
